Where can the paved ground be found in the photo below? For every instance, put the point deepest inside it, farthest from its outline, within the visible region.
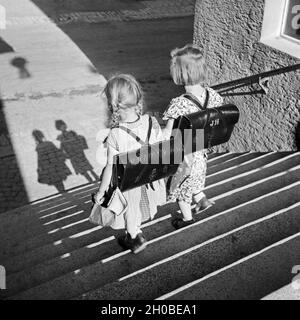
(54, 58)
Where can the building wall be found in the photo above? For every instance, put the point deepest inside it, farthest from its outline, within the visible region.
(229, 32)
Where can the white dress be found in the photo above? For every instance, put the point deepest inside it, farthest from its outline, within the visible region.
(142, 201)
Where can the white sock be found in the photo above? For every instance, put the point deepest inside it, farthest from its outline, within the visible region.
(199, 196)
(133, 235)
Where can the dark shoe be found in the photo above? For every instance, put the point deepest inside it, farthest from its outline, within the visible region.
(140, 243)
(203, 204)
(141, 239)
(179, 223)
(136, 245)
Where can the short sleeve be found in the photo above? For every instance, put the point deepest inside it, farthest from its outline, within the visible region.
(215, 100)
(157, 130)
(112, 140)
(176, 109)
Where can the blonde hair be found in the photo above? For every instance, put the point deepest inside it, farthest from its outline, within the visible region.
(188, 66)
(122, 92)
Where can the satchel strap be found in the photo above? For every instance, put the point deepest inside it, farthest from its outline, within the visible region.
(196, 101)
(138, 139)
(149, 130)
(114, 180)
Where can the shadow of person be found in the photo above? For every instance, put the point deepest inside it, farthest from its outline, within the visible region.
(52, 169)
(20, 63)
(73, 146)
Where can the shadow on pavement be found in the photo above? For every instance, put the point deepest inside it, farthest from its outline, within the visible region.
(52, 169)
(73, 146)
(5, 47)
(138, 47)
(141, 47)
(21, 64)
(12, 192)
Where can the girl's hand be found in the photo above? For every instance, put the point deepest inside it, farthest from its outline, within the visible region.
(99, 197)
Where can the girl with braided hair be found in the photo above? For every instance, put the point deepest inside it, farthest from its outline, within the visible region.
(125, 101)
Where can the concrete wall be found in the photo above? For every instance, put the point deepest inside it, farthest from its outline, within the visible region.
(229, 32)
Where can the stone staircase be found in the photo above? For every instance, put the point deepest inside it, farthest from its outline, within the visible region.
(244, 247)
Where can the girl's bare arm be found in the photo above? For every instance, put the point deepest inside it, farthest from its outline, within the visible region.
(107, 174)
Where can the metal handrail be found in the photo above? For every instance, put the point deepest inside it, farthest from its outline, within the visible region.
(261, 79)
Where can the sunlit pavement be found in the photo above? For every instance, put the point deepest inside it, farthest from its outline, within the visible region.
(55, 56)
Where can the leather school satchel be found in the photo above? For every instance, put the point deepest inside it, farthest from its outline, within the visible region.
(147, 164)
(217, 124)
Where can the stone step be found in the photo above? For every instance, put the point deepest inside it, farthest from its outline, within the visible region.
(245, 193)
(243, 167)
(250, 278)
(199, 261)
(243, 157)
(58, 254)
(160, 248)
(222, 158)
(273, 169)
(276, 200)
(74, 214)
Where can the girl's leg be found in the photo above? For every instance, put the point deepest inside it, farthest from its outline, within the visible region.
(133, 216)
(184, 199)
(186, 210)
(198, 196)
(201, 201)
(134, 239)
